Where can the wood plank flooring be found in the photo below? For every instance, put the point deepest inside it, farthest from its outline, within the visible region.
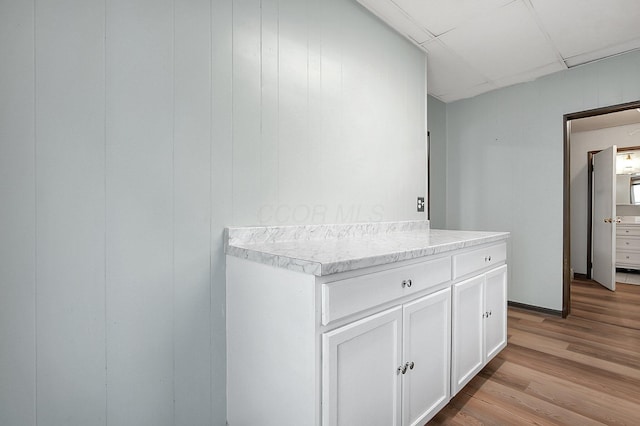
(583, 370)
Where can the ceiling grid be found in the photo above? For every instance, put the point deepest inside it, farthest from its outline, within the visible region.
(477, 46)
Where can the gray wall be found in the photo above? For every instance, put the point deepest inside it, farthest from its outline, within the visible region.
(581, 144)
(505, 162)
(131, 133)
(437, 119)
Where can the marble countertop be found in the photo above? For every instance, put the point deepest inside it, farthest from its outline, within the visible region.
(329, 249)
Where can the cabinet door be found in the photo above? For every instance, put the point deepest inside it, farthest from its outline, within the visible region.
(426, 342)
(360, 381)
(467, 331)
(496, 307)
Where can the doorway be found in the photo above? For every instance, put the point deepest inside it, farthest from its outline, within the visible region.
(567, 123)
(621, 151)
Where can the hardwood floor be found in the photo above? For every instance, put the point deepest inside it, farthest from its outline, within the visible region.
(583, 370)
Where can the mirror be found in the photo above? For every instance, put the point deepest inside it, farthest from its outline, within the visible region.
(623, 189)
(628, 178)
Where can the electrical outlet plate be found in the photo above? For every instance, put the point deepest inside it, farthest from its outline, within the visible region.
(420, 204)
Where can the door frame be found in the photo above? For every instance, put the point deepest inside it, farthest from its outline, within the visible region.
(566, 215)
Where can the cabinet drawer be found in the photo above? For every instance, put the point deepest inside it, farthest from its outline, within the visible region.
(348, 296)
(476, 260)
(627, 243)
(627, 258)
(622, 230)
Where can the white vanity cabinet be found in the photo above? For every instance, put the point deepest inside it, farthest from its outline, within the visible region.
(369, 345)
(479, 309)
(427, 354)
(359, 380)
(391, 368)
(628, 246)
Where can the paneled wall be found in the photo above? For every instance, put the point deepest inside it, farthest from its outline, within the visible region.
(131, 133)
(505, 165)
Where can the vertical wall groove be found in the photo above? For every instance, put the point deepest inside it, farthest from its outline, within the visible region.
(211, 239)
(210, 192)
(105, 245)
(35, 192)
(173, 210)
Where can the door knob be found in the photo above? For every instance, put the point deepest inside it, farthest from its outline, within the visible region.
(608, 220)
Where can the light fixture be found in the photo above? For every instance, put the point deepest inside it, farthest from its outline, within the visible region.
(628, 164)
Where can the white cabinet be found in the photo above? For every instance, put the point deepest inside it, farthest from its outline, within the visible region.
(427, 350)
(360, 384)
(628, 246)
(373, 346)
(495, 320)
(391, 368)
(467, 330)
(479, 326)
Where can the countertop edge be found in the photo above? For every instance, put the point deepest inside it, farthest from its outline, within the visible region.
(292, 264)
(323, 269)
(351, 265)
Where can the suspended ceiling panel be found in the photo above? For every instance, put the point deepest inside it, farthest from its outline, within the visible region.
(581, 26)
(483, 44)
(442, 16)
(474, 46)
(398, 19)
(449, 67)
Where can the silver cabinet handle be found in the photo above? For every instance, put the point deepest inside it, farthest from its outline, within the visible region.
(403, 368)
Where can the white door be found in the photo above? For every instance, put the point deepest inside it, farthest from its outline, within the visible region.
(360, 379)
(467, 331)
(495, 302)
(426, 340)
(604, 215)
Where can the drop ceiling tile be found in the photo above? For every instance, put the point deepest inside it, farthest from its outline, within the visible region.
(603, 53)
(440, 16)
(504, 42)
(467, 92)
(530, 75)
(446, 72)
(397, 19)
(580, 26)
